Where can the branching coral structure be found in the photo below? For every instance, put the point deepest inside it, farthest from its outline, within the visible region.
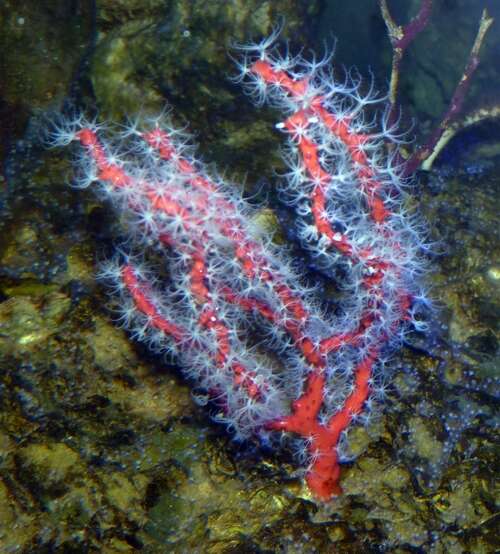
(229, 306)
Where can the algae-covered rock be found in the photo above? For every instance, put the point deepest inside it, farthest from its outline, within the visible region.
(48, 467)
(16, 528)
(25, 325)
(42, 44)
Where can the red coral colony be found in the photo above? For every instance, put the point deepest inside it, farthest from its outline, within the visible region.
(311, 374)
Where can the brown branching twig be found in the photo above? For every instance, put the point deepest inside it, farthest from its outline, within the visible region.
(426, 151)
(401, 37)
